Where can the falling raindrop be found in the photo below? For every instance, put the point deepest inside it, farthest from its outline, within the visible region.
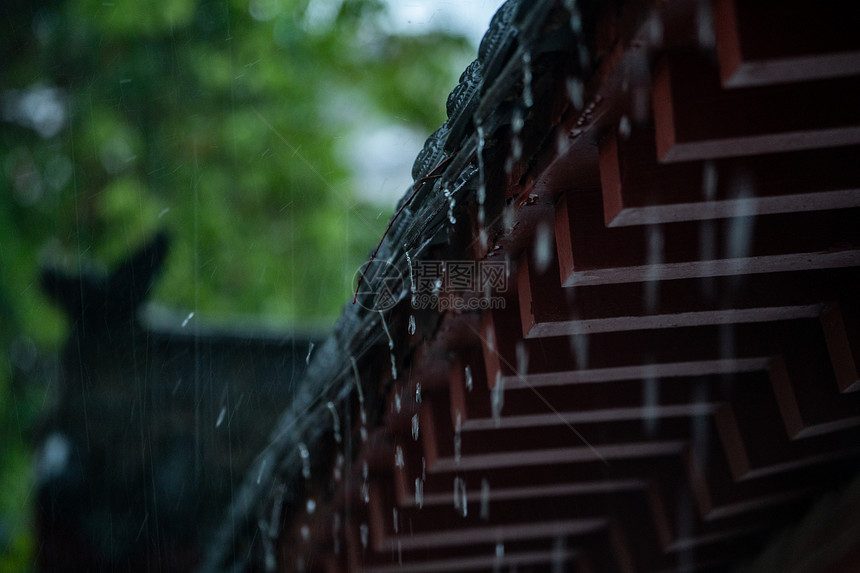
(543, 247)
(311, 506)
(415, 427)
(260, 474)
(365, 487)
(485, 499)
(337, 471)
(575, 18)
(451, 204)
(306, 533)
(468, 376)
(517, 123)
(411, 326)
(650, 403)
(528, 98)
(418, 392)
(395, 519)
(654, 269)
(522, 359)
(491, 340)
(221, 416)
(187, 318)
(655, 30)
(412, 288)
(398, 402)
(306, 460)
(419, 492)
(705, 25)
(482, 182)
(458, 438)
(624, 127)
(709, 181)
(310, 351)
(559, 555)
(390, 347)
(365, 532)
(460, 501)
(576, 92)
(335, 532)
(398, 457)
(361, 410)
(497, 398)
(335, 422)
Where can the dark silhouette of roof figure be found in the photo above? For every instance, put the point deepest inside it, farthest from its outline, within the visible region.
(154, 421)
(95, 297)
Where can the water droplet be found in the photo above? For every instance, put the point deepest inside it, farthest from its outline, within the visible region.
(398, 402)
(395, 519)
(411, 326)
(650, 404)
(221, 415)
(310, 506)
(187, 318)
(576, 92)
(398, 457)
(500, 550)
(419, 492)
(306, 460)
(485, 499)
(460, 499)
(482, 181)
(624, 127)
(522, 359)
(390, 347)
(415, 427)
(365, 533)
(543, 247)
(306, 533)
(655, 30)
(310, 351)
(654, 268)
(418, 392)
(709, 181)
(337, 471)
(458, 437)
(335, 422)
(528, 98)
(260, 474)
(365, 487)
(467, 374)
(451, 204)
(497, 398)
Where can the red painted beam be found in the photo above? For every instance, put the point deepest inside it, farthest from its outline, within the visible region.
(639, 190)
(772, 41)
(696, 118)
(591, 254)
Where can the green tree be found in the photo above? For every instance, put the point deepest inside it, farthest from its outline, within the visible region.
(218, 121)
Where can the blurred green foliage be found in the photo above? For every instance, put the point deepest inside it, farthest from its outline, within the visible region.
(214, 120)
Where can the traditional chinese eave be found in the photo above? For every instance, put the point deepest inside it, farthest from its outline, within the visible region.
(672, 375)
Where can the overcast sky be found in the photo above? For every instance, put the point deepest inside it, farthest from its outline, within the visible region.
(382, 154)
(470, 17)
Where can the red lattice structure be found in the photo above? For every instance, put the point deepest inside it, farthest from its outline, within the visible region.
(673, 377)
